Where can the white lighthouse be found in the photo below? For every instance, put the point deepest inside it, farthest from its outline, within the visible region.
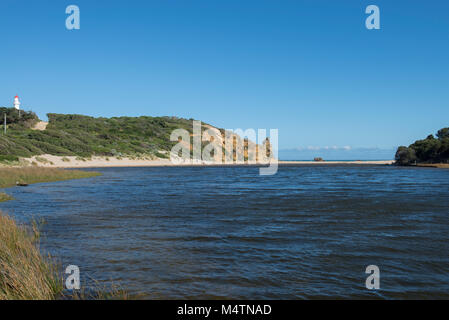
(17, 103)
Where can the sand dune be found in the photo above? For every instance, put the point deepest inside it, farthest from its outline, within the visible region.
(41, 126)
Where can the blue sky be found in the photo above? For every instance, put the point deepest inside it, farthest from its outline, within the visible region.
(309, 68)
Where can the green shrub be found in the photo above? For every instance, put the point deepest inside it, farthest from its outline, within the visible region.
(42, 160)
(8, 157)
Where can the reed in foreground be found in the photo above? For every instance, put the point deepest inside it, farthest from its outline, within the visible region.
(24, 273)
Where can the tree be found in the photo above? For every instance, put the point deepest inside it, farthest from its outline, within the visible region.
(405, 156)
(429, 150)
(443, 133)
(27, 118)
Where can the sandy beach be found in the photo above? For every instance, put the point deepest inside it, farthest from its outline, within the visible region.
(51, 161)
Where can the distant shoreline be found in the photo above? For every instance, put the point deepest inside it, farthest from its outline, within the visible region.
(50, 161)
(380, 162)
(434, 165)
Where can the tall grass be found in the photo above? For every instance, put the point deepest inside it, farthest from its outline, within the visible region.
(24, 273)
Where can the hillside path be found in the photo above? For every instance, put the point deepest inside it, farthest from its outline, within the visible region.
(41, 126)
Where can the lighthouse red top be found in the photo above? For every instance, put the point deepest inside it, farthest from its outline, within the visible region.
(16, 96)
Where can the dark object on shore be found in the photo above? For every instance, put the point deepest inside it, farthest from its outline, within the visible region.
(318, 159)
(19, 184)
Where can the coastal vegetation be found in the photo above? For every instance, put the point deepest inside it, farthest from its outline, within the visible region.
(25, 273)
(429, 151)
(84, 136)
(27, 119)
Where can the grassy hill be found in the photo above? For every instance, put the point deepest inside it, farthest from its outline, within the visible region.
(78, 135)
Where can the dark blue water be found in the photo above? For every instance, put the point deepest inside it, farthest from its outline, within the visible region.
(307, 232)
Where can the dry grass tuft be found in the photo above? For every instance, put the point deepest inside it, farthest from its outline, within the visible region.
(101, 292)
(5, 197)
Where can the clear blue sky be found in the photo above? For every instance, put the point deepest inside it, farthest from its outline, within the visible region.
(309, 68)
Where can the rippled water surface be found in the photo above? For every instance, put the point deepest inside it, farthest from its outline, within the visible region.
(307, 232)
